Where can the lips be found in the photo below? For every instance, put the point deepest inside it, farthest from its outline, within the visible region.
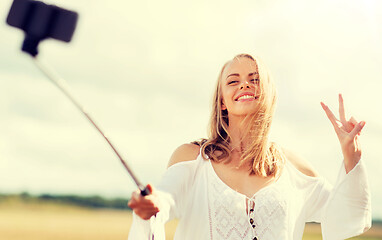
(246, 96)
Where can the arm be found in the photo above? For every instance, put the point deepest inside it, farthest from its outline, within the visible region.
(147, 206)
(345, 209)
(151, 212)
(148, 211)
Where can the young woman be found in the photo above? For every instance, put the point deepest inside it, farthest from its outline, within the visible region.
(238, 185)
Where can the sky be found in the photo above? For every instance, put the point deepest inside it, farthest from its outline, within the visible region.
(146, 70)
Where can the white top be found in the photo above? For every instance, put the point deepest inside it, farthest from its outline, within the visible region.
(209, 209)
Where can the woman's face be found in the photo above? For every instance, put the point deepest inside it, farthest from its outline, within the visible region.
(240, 87)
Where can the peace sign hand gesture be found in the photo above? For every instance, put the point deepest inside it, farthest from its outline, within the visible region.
(348, 134)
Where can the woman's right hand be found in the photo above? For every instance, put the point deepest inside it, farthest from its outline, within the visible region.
(144, 206)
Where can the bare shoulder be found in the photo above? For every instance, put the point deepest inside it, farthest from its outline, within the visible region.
(185, 152)
(301, 164)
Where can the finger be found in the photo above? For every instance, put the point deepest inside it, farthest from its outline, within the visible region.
(354, 122)
(357, 130)
(331, 116)
(146, 214)
(152, 209)
(134, 200)
(341, 109)
(132, 203)
(141, 214)
(149, 211)
(145, 208)
(345, 123)
(142, 204)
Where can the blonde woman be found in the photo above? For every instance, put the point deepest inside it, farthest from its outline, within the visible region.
(238, 185)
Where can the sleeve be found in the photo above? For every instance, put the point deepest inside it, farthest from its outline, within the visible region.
(343, 210)
(172, 192)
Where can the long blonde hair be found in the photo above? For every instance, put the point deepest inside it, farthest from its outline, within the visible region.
(264, 157)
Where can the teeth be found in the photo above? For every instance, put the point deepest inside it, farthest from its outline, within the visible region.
(245, 97)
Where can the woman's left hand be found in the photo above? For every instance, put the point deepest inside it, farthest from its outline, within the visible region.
(348, 134)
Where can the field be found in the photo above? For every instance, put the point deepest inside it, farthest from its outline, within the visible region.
(43, 221)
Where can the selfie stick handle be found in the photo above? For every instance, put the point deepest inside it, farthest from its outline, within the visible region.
(61, 84)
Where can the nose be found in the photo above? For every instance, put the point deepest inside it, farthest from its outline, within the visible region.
(245, 84)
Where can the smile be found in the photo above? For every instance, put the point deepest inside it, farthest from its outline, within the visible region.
(247, 98)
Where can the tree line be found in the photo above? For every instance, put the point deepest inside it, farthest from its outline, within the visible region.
(83, 201)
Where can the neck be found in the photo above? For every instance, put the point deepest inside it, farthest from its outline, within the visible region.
(236, 130)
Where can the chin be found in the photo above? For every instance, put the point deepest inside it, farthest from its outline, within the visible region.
(244, 112)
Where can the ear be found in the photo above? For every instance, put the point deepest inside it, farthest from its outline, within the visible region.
(223, 107)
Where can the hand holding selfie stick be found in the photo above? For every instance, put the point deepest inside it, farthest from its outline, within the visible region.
(40, 21)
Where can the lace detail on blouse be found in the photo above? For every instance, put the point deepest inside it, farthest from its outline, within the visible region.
(270, 215)
(227, 212)
(229, 218)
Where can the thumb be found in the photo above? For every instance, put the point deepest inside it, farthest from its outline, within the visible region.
(149, 187)
(147, 191)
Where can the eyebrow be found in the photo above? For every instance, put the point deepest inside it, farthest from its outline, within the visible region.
(237, 75)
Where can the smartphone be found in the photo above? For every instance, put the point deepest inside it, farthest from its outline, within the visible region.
(40, 21)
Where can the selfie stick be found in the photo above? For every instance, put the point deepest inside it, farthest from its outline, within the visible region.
(40, 21)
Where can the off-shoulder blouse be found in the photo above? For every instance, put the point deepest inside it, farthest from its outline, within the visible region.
(209, 209)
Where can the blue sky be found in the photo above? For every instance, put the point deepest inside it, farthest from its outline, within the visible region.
(146, 72)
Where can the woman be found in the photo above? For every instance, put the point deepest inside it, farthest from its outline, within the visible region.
(238, 185)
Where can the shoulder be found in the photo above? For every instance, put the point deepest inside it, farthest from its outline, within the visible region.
(185, 152)
(299, 163)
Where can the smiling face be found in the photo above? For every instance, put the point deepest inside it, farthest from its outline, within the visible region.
(240, 87)
(244, 99)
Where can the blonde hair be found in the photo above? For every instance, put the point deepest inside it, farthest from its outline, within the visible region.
(265, 158)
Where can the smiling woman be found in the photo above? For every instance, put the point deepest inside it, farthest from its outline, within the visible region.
(241, 123)
(238, 185)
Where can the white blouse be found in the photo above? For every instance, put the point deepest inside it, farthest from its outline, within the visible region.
(208, 209)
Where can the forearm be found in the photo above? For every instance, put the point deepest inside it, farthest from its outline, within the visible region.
(351, 154)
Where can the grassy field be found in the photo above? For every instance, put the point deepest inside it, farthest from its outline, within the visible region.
(43, 221)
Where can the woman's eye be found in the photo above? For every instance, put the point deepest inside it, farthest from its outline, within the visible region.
(232, 82)
(256, 80)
